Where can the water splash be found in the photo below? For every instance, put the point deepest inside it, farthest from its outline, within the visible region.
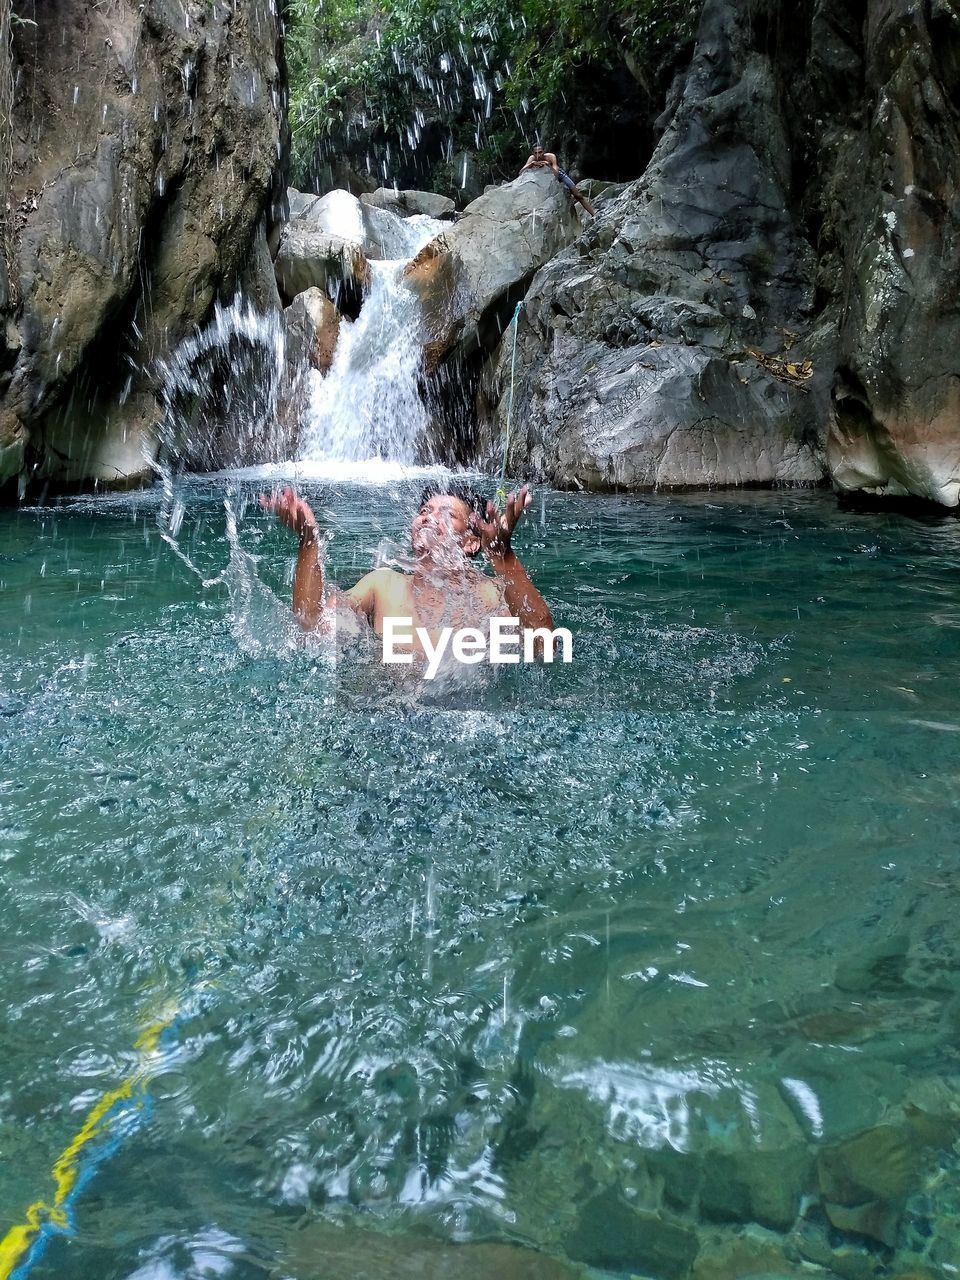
(230, 395)
(229, 391)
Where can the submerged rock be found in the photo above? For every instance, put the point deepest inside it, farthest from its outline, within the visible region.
(612, 1233)
(880, 1164)
(761, 1255)
(347, 1252)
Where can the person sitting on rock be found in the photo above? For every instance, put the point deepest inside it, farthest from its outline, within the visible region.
(540, 159)
(445, 589)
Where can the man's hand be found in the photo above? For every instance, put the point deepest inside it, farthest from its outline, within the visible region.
(293, 512)
(497, 529)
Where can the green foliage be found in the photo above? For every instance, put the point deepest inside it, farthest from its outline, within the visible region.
(501, 68)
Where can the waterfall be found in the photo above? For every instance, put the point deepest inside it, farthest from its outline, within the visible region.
(369, 404)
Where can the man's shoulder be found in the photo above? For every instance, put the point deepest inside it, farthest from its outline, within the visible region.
(385, 579)
(379, 581)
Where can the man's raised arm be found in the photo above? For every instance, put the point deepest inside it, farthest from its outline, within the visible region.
(308, 575)
(519, 593)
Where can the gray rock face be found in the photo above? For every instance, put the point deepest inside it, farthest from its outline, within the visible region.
(897, 425)
(159, 131)
(634, 365)
(503, 237)
(801, 205)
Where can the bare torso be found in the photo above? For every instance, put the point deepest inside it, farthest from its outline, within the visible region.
(467, 598)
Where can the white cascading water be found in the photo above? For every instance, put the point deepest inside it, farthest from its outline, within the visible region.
(369, 404)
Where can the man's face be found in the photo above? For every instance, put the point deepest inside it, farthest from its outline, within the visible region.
(443, 522)
(538, 153)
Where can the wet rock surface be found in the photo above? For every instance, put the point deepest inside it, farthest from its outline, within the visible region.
(636, 346)
(311, 258)
(770, 301)
(313, 326)
(409, 202)
(500, 240)
(146, 145)
(897, 398)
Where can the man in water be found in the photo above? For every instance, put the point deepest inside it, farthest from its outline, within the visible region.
(540, 159)
(445, 588)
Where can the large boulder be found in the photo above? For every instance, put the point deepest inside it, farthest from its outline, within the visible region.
(310, 258)
(389, 236)
(654, 351)
(503, 237)
(897, 425)
(160, 126)
(377, 229)
(434, 276)
(338, 213)
(406, 203)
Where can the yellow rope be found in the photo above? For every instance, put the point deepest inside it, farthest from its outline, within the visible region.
(66, 1168)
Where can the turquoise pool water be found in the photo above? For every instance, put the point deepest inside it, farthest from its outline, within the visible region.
(645, 966)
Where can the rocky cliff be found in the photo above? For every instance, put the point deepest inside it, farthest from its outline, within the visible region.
(774, 300)
(147, 140)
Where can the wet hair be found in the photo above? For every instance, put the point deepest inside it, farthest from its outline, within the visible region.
(454, 489)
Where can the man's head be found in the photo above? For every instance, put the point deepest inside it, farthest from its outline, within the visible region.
(537, 151)
(443, 519)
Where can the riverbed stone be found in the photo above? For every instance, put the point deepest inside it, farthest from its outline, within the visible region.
(750, 1174)
(851, 1260)
(612, 1233)
(876, 1219)
(881, 1164)
(753, 1253)
(346, 1251)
